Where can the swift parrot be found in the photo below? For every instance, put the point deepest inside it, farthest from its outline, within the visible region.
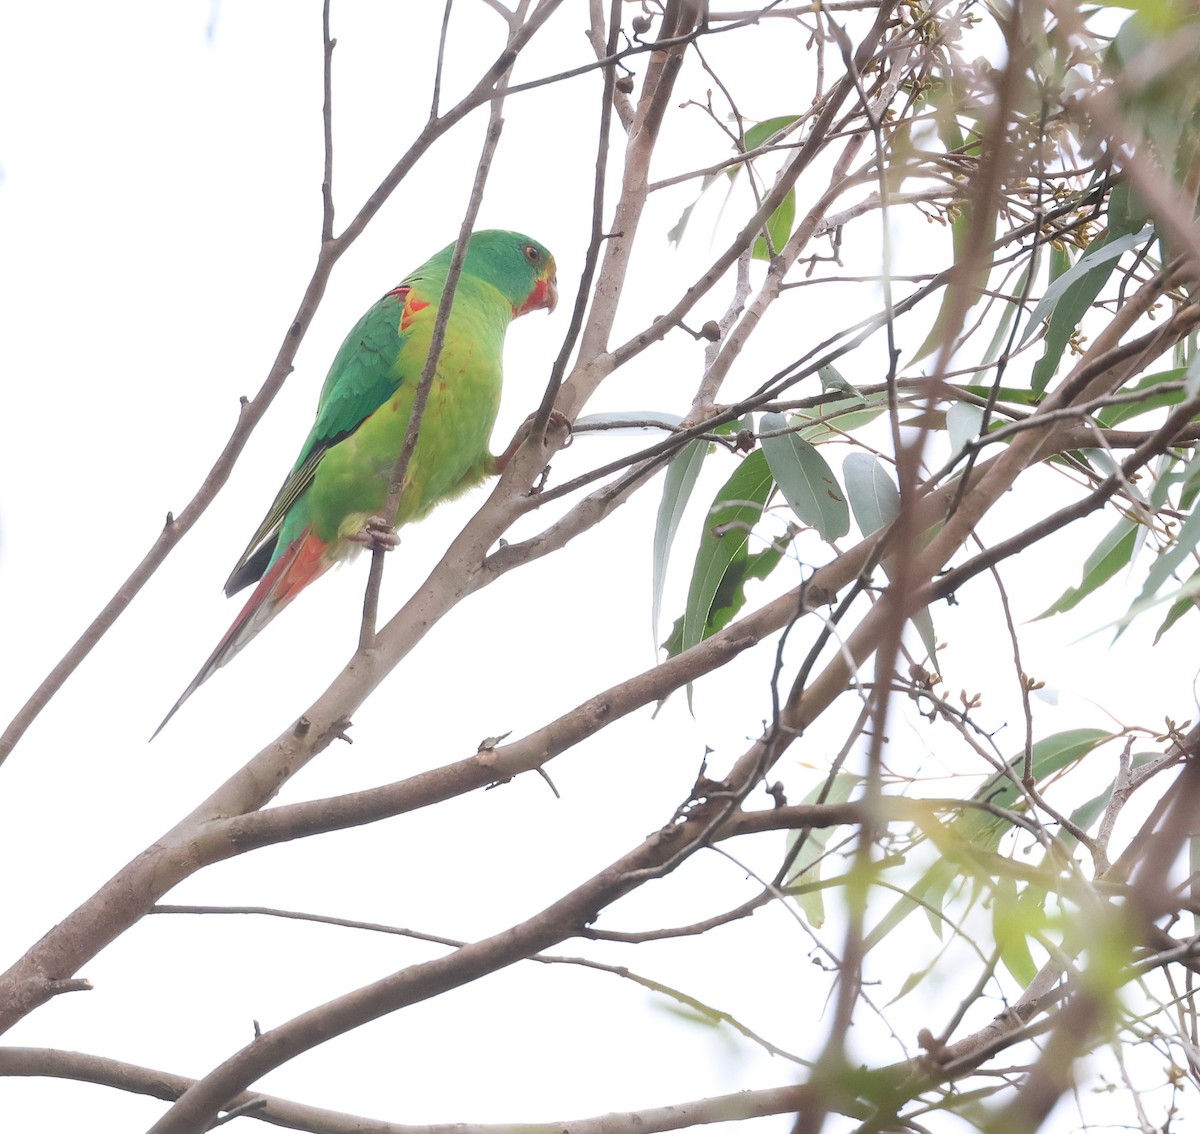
(329, 505)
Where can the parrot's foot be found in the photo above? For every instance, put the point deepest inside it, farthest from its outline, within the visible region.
(377, 535)
(558, 423)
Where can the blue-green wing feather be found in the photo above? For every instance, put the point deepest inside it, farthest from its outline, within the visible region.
(362, 378)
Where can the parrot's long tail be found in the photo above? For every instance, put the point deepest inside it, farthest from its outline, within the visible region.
(302, 562)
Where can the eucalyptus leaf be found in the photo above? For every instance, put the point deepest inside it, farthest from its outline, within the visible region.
(1108, 557)
(806, 866)
(723, 561)
(805, 479)
(964, 421)
(681, 477)
(625, 423)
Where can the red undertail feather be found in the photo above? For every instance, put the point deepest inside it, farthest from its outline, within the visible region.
(298, 566)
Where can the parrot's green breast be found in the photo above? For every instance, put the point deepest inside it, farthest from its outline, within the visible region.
(351, 482)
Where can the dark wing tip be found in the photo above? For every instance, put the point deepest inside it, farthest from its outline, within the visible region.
(250, 569)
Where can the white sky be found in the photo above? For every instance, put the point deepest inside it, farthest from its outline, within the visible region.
(159, 217)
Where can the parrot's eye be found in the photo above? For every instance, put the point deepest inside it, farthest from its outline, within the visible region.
(532, 254)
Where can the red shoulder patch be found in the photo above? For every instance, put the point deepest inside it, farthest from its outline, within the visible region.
(411, 306)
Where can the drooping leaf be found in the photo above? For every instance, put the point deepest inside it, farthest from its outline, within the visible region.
(974, 835)
(675, 235)
(831, 379)
(1189, 489)
(779, 227)
(754, 137)
(1191, 379)
(1100, 254)
(1180, 607)
(681, 477)
(1087, 813)
(874, 498)
(1127, 211)
(928, 894)
(731, 594)
(943, 93)
(1014, 919)
(1104, 461)
(806, 867)
(1069, 297)
(1049, 755)
(1169, 560)
(805, 478)
(1187, 590)
(723, 561)
(1111, 416)
(1001, 335)
(961, 234)
(964, 420)
(875, 501)
(1109, 556)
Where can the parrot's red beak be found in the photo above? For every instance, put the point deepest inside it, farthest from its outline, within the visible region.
(544, 294)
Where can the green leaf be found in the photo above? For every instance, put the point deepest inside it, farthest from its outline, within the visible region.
(723, 563)
(1191, 587)
(1014, 920)
(761, 132)
(806, 867)
(779, 226)
(832, 380)
(1165, 565)
(849, 413)
(960, 231)
(805, 479)
(1189, 488)
(928, 893)
(1110, 555)
(677, 490)
(964, 421)
(675, 235)
(875, 501)
(1087, 813)
(1100, 253)
(874, 498)
(1181, 605)
(1111, 416)
(1049, 755)
(1005, 394)
(1070, 296)
(1011, 308)
(979, 833)
(1126, 210)
(754, 137)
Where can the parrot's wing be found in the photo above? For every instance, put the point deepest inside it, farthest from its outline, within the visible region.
(364, 375)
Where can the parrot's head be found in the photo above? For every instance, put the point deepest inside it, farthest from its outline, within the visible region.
(518, 266)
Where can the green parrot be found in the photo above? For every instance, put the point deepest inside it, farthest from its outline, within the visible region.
(329, 505)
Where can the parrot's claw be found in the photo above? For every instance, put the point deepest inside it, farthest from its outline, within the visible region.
(558, 423)
(377, 534)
